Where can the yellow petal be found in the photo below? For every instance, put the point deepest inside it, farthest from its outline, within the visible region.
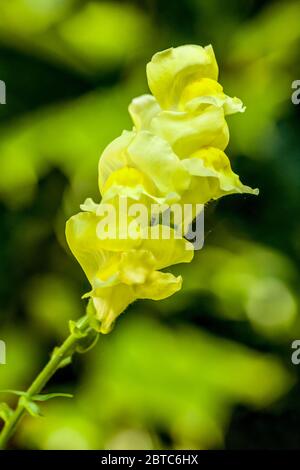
(203, 92)
(233, 105)
(199, 88)
(187, 132)
(132, 184)
(170, 70)
(89, 205)
(115, 230)
(127, 176)
(168, 249)
(83, 242)
(154, 157)
(110, 302)
(142, 109)
(114, 157)
(159, 286)
(135, 266)
(214, 176)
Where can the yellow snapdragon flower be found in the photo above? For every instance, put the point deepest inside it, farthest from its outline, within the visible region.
(174, 154)
(185, 131)
(153, 157)
(120, 276)
(204, 176)
(187, 106)
(185, 78)
(185, 114)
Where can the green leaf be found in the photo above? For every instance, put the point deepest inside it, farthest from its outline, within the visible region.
(49, 396)
(39, 397)
(14, 392)
(5, 412)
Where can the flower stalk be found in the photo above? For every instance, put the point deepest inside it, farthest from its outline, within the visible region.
(81, 330)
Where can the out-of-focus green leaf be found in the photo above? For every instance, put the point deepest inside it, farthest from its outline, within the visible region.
(30, 17)
(249, 281)
(87, 36)
(106, 33)
(262, 59)
(65, 428)
(51, 301)
(23, 358)
(70, 137)
(183, 381)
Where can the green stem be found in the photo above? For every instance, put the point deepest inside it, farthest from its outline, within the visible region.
(64, 351)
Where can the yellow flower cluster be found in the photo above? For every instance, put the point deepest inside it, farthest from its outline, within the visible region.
(174, 154)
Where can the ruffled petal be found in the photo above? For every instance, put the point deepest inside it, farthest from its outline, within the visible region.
(89, 205)
(142, 109)
(170, 70)
(214, 176)
(154, 157)
(199, 94)
(187, 132)
(159, 286)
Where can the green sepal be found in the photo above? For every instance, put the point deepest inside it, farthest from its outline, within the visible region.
(75, 330)
(88, 342)
(32, 408)
(92, 316)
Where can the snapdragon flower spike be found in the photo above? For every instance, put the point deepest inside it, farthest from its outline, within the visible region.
(173, 154)
(183, 121)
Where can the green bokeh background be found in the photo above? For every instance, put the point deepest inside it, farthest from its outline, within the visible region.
(211, 366)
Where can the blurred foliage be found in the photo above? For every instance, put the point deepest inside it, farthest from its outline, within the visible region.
(209, 367)
(132, 376)
(248, 281)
